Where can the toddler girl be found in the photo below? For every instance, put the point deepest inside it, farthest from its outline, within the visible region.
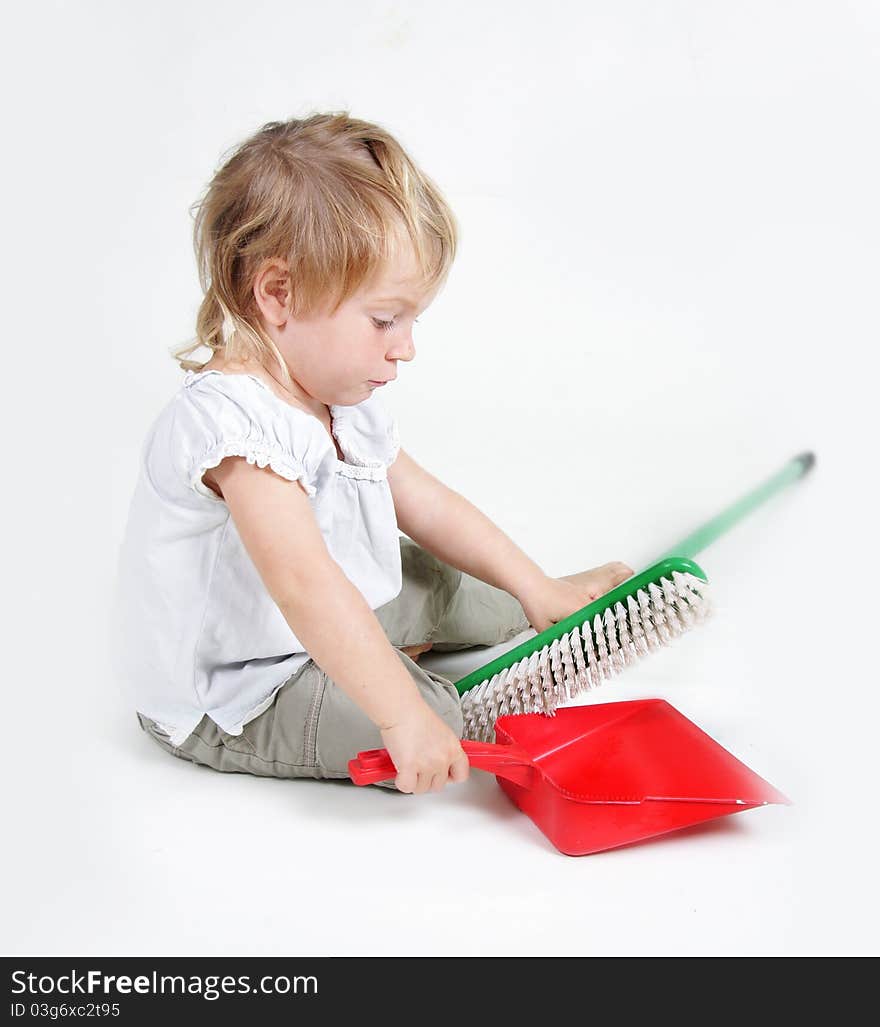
(270, 615)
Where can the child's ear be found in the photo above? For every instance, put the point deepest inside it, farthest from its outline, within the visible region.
(272, 291)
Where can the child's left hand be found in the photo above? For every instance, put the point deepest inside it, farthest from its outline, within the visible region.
(549, 600)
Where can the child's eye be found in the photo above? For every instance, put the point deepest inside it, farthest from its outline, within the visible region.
(386, 326)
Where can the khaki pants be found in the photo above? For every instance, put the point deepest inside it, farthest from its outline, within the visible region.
(312, 729)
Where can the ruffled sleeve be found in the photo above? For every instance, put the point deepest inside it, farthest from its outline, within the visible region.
(367, 433)
(222, 415)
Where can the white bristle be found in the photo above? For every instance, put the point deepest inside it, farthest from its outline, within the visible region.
(627, 650)
(590, 648)
(568, 672)
(635, 626)
(547, 704)
(693, 593)
(516, 688)
(610, 625)
(682, 609)
(507, 697)
(651, 637)
(476, 705)
(582, 672)
(676, 623)
(670, 595)
(681, 606)
(497, 697)
(601, 648)
(588, 655)
(556, 674)
(532, 689)
(657, 614)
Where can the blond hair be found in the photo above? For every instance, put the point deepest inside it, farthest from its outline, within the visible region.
(328, 194)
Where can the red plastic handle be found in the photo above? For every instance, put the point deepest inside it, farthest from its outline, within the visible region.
(504, 760)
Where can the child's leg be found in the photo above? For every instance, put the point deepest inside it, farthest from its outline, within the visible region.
(410, 619)
(479, 614)
(312, 729)
(441, 606)
(415, 651)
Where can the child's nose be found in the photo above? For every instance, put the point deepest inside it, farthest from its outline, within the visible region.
(403, 348)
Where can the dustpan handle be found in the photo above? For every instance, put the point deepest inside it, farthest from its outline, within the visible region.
(504, 760)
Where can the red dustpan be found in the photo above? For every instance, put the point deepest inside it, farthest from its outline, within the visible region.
(596, 777)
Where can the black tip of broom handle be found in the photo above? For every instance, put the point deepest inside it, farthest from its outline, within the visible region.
(807, 460)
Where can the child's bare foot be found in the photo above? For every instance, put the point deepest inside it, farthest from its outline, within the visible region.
(415, 651)
(602, 579)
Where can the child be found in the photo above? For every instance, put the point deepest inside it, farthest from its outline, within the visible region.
(270, 614)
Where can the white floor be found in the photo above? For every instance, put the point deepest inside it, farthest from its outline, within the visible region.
(118, 848)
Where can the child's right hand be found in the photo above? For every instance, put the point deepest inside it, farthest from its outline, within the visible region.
(425, 750)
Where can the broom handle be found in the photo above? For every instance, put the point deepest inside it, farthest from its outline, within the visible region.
(796, 468)
(694, 543)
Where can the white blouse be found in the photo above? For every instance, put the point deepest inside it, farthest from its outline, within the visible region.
(195, 629)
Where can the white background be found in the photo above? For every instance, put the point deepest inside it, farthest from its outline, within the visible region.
(667, 287)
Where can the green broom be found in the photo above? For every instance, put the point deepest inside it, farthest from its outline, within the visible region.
(645, 612)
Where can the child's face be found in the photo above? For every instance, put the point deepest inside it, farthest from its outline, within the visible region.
(338, 359)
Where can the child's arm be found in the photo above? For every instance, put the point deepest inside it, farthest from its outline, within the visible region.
(456, 532)
(335, 624)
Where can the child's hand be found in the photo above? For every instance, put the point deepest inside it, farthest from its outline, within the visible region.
(425, 750)
(552, 599)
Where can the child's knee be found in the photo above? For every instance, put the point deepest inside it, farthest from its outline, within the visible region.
(478, 614)
(442, 696)
(427, 588)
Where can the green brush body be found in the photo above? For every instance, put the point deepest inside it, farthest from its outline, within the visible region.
(643, 613)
